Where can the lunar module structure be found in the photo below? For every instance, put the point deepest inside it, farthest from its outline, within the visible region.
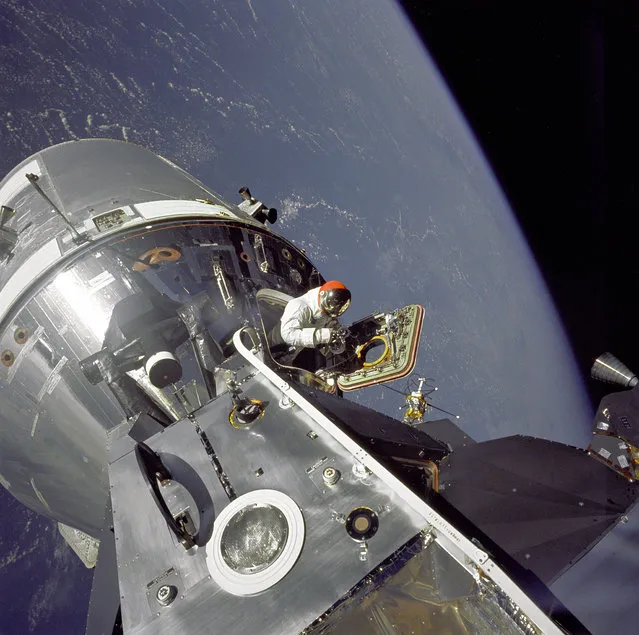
(218, 490)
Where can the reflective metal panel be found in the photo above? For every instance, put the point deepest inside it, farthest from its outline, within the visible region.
(276, 453)
(74, 364)
(420, 589)
(86, 179)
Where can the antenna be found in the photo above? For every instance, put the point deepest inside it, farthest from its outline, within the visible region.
(77, 237)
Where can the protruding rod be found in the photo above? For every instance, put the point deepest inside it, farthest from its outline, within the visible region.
(442, 410)
(33, 179)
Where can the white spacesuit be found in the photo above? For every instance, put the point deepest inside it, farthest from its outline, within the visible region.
(303, 324)
(311, 319)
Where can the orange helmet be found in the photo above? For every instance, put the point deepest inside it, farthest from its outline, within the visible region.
(334, 298)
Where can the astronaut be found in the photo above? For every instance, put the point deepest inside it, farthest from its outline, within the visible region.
(310, 321)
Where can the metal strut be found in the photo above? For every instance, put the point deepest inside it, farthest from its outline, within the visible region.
(260, 254)
(77, 237)
(223, 286)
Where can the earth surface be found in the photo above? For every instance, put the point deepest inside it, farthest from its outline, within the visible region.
(334, 113)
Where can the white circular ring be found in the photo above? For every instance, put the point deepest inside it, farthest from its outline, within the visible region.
(157, 357)
(252, 583)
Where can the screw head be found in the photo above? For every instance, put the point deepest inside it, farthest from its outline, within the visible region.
(330, 475)
(165, 594)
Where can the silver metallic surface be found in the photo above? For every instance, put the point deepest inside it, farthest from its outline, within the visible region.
(609, 369)
(140, 258)
(329, 564)
(432, 590)
(84, 180)
(421, 589)
(85, 547)
(148, 554)
(460, 546)
(54, 422)
(330, 475)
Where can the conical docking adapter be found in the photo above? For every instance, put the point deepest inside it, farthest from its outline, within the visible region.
(609, 369)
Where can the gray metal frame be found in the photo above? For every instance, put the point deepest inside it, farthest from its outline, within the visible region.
(291, 462)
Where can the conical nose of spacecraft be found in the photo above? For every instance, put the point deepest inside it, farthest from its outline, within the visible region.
(609, 369)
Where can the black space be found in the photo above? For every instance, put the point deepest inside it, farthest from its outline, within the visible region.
(552, 94)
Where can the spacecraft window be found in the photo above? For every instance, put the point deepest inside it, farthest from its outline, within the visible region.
(254, 538)
(257, 538)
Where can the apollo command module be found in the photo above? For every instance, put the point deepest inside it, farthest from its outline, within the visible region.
(220, 491)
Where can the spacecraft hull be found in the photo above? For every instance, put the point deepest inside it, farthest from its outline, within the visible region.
(139, 394)
(67, 271)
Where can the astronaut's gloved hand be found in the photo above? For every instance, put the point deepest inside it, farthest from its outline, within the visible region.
(323, 336)
(337, 344)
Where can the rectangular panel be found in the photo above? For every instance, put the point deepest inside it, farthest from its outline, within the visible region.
(283, 451)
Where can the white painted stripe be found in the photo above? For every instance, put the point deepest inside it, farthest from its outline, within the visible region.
(4, 482)
(443, 529)
(171, 209)
(35, 423)
(18, 182)
(39, 494)
(30, 270)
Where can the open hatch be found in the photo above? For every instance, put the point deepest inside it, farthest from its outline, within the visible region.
(378, 348)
